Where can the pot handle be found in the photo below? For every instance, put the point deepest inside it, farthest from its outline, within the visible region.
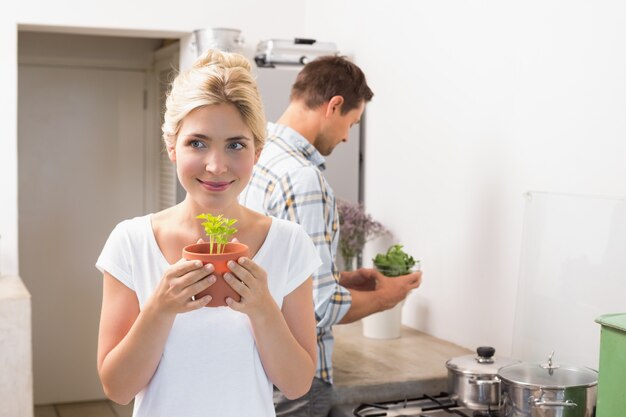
(538, 402)
(476, 381)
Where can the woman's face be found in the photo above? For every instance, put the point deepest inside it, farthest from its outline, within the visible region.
(214, 155)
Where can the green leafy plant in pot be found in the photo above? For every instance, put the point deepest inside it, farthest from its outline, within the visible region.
(217, 251)
(395, 262)
(387, 324)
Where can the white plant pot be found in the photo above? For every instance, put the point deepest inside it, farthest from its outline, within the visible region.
(384, 325)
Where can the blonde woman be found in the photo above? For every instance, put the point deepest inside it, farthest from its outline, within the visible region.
(157, 343)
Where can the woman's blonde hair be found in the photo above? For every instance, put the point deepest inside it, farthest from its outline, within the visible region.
(215, 78)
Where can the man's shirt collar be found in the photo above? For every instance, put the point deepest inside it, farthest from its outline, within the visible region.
(297, 141)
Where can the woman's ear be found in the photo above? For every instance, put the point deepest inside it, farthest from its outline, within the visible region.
(171, 151)
(334, 106)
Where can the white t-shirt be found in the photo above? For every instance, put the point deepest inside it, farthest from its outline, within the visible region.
(210, 364)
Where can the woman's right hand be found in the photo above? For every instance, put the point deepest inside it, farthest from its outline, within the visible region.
(180, 282)
(132, 338)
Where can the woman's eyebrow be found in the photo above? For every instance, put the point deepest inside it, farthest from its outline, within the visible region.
(205, 137)
(195, 135)
(239, 137)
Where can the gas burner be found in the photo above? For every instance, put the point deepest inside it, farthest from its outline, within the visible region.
(458, 411)
(426, 406)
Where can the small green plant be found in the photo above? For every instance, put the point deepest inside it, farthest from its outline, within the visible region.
(219, 230)
(395, 262)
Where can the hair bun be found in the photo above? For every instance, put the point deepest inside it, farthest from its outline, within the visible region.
(225, 59)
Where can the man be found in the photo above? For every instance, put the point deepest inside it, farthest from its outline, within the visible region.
(328, 98)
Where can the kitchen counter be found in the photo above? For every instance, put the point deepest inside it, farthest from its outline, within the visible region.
(371, 370)
(16, 377)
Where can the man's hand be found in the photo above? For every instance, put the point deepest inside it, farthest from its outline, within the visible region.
(393, 290)
(379, 292)
(362, 279)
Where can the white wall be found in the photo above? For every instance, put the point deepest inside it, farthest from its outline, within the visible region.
(8, 146)
(475, 103)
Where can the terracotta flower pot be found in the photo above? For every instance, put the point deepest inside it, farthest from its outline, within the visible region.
(220, 289)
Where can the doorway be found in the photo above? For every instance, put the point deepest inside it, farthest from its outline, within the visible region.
(88, 154)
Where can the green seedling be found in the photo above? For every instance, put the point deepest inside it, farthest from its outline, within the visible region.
(219, 230)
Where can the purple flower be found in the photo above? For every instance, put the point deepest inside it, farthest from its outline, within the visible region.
(356, 228)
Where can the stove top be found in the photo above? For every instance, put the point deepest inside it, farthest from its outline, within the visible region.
(426, 406)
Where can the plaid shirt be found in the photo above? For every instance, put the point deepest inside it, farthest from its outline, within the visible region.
(288, 183)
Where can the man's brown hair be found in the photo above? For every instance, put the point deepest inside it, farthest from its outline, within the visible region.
(329, 76)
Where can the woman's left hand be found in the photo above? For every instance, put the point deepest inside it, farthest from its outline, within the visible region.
(250, 281)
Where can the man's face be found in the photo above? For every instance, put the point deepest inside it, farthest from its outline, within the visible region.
(336, 128)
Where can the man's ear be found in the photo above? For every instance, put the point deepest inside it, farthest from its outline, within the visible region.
(334, 106)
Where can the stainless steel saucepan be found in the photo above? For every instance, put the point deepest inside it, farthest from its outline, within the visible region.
(548, 390)
(473, 380)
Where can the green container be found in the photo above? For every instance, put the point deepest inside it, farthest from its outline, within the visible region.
(612, 372)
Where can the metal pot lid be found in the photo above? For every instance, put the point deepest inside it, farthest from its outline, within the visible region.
(482, 363)
(549, 375)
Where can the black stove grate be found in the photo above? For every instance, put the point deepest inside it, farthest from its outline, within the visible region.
(441, 405)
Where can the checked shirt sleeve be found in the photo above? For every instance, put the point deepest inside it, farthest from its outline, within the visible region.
(303, 196)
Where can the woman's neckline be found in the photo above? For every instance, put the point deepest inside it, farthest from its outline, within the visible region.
(256, 256)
